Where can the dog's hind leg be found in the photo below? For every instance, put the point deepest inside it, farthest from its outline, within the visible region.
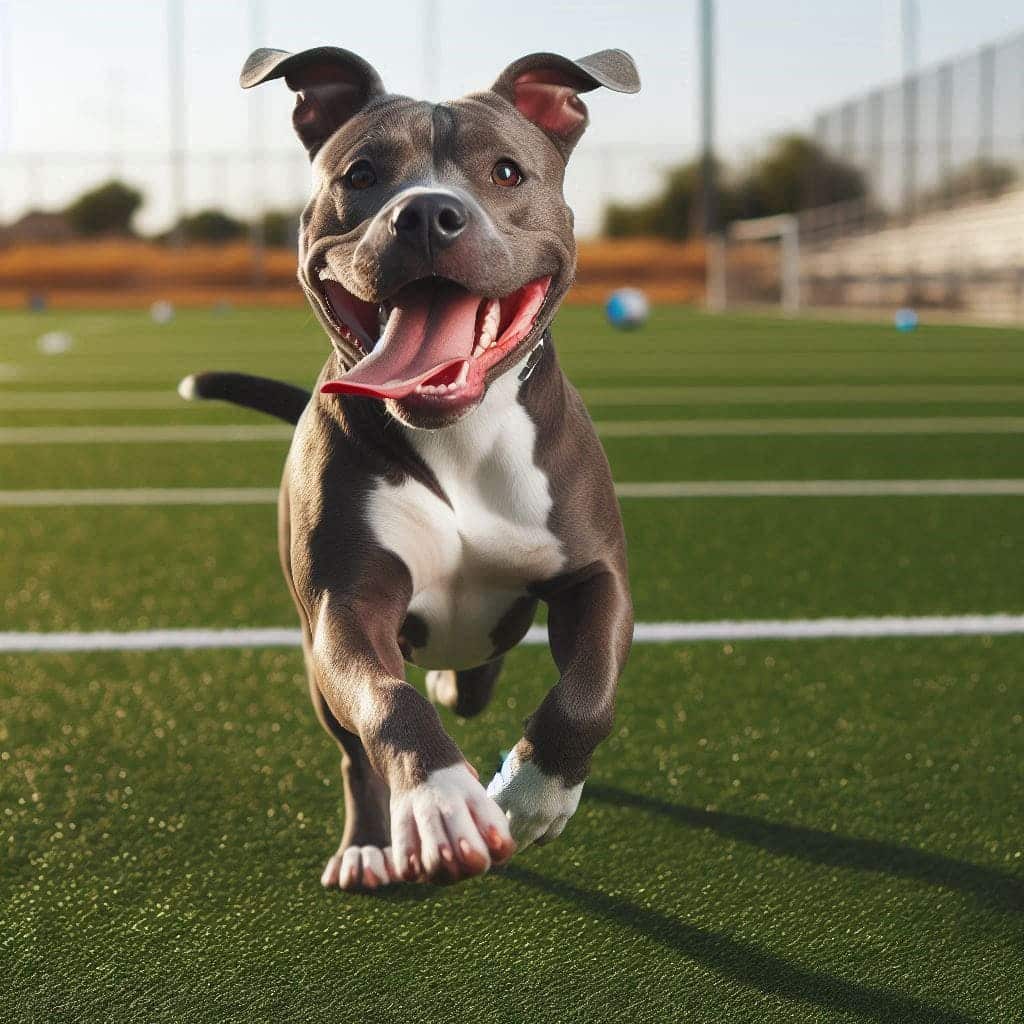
(363, 860)
(468, 691)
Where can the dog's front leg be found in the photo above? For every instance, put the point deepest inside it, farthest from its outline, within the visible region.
(590, 628)
(444, 827)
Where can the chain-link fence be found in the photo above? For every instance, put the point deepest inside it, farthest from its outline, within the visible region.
(939, 136)
(941, 223)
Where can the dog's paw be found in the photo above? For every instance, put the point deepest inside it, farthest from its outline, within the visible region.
(538, 806)
(442, 687)
(447, 828)
(360, 867)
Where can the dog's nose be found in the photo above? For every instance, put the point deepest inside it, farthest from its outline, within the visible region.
(433, 219)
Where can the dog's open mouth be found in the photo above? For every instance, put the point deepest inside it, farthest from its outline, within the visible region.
(438, 339)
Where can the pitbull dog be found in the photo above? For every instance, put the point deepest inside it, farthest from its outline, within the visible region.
(445, 476)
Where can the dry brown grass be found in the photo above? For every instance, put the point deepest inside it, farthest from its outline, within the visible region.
(126, 273)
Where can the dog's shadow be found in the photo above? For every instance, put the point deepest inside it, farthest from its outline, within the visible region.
(994, 888)
(743, 962)
(751, 966)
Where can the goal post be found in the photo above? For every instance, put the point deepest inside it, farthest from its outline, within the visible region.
(758, 261)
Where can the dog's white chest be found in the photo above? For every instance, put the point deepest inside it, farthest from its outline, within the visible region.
(470, 560)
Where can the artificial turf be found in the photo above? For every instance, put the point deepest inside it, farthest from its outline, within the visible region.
(805, 831)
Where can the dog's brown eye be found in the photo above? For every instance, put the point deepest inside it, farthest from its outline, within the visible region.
(360, 175)
(506, 174)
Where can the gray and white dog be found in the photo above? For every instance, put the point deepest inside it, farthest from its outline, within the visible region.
(444, 477)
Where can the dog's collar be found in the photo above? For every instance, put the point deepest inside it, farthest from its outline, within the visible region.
(532, 360)
(346, 357)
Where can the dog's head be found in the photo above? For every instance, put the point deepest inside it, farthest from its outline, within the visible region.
(437, 244)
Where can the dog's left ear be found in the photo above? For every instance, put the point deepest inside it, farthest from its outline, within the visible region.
(545, 88)
(332, 85)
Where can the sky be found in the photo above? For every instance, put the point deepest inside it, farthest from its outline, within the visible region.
(84, 86)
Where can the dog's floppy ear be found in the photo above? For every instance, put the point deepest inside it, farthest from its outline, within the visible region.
(332, 85)
(545, 88)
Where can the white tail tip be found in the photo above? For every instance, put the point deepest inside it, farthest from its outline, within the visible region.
(187, 388)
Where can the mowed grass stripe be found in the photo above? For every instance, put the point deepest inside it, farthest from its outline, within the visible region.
(85, 497)
(153, 567)
(590, 370)
(868, 627)
(632, 459)
(654, 394)
(232, 433)
(214, 414)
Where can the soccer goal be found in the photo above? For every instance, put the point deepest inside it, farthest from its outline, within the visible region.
(757, 263)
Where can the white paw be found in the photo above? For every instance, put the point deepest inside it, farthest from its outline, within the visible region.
(537, 806)
(360, 867)
(447, 828)
(441, 687)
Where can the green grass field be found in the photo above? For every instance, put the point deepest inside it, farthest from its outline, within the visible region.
(821, 830)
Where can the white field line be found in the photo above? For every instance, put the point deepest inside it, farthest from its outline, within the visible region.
(86, 497)
(55, 401)
(161, 434)
(221, 434)
(95, 497)
(695, 394)
(741, 394)
(818, 488)
(644, 633)
(812, 426)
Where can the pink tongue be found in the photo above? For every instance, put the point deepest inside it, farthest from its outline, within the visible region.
(432, 326)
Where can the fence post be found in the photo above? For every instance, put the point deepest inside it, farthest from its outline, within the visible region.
(986, 111)
(876, 144)
(909, 145)
(944, 131)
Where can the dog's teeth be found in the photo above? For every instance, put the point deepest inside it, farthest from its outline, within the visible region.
(489, 326)
(463, 374)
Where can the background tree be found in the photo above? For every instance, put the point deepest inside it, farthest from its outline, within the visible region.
(106, 210)
(281, 228)
(674, 212)
(980, 177)
(795, 174)
(211, 226)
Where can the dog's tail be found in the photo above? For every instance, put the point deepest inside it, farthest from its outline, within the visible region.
(285, 401)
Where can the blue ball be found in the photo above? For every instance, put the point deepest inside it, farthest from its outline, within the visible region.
(627, 308)
(905, 319)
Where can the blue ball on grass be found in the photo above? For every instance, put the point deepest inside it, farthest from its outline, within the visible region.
(627, 308)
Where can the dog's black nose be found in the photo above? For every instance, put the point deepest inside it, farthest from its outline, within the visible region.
(431, 219)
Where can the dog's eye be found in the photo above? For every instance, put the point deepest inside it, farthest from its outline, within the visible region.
(360, 175)
(506, 174)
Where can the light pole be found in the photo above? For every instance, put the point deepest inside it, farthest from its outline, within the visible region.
(431, 49)
(257, 235)
(714, 250)
(176, 110)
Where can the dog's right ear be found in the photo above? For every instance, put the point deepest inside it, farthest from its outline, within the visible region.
(332, 85)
